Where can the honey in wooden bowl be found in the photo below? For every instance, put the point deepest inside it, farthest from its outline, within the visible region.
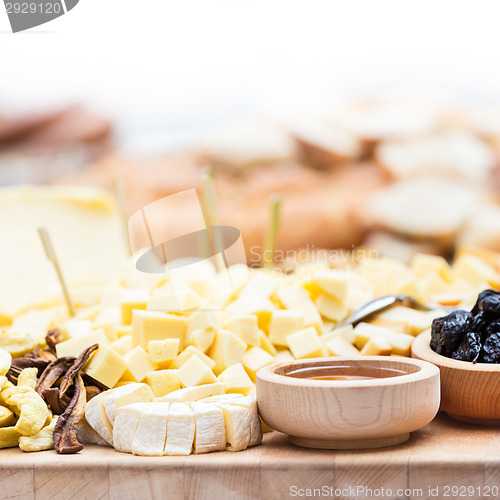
(343, 403)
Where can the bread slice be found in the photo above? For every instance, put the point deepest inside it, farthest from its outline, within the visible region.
(455, 154)
(321, 144)
(423, 208)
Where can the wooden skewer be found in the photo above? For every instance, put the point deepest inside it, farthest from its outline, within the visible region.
(122, 207)
(208, 206)
(272, 230)
(51, 255)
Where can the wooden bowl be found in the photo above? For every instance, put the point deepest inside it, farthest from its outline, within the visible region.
(349, 414)
(470, 392)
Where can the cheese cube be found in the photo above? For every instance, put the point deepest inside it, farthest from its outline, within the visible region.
(227, 350)
(109, 315)
(305, 343)
(195, 372)
(74, 347)
(76, 328)
(192, 351)
(122, 345)
(151, 434)
(338, 346)
(255, 359)
(424, 265)
(400, 342)
(246, 327)
(327, 282)
(96, 417)
(128, 394)
(283, 323)
(125, 428)
(123, 330)
(475, 271)
(347, 332)
(210, 431)
(180, 301)
(196, 393)
(180, 430)
(331, 307)
(163, 351)
(236, 379)
(162, 382)
(36, 322)
(266, 344)
(109, 330)
(202, 339)
(250, 403)
(237, 420)
(106, 366)
(432, 284)
(261, 307)
(132, 299)
(153, 325)
(295, 298)
(139, 364)
(376, 346)
(203, 319)
(283, 356)
(87, 313)
(406, 320)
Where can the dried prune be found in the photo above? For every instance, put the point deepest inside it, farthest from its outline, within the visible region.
(469, 349)
(449, 331)
(481, 298)
(491, 349)
(491, 306)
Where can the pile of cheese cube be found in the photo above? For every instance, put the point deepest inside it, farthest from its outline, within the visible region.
(193, 420)
(269, 317)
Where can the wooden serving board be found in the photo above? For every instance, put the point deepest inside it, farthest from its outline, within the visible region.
(443, 454)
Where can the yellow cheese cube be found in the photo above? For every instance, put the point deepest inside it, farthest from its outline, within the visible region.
(331, 307)
(163, 382)
(400, 342)
(227, 350)
(76, 328)
(295, 298)
(106, 366)
(195, 372)
(87, 313)
(475, 271)
(283, 323)
(180, 301)
(433, 284)
(327, 282)
(236, 379)
(266, 344)
(153, 325)
(162, 351)
(261, 307)
(130, 300)
(339, 346)
(406, 320)
(122, 345)
(202, 339)
(347, 332)
(255, 359)
(192, 351)
(424, 265)
(259, 284)
(283, 356)
(376, 346)
(74, 347)
(123, 330)
(139, 364)
(201, 320)
(109, 330)
(246, 327)
(305, 343)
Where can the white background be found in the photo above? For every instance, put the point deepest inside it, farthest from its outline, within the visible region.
(163, 69)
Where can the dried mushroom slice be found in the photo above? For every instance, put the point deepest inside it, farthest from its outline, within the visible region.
(66, 429)
(75, 368)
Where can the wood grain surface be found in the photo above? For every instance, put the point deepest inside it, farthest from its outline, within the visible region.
(444, 453)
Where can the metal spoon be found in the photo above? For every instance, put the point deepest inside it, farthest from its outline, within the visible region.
(378, 305)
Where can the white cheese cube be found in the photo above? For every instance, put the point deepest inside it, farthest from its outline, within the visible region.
(195, 393)
(125, 427)
(180, 430)
(210, 432)
(125, 395)
(237, 421)
(151, 434)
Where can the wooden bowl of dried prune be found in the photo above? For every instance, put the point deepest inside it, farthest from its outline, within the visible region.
(465, 346)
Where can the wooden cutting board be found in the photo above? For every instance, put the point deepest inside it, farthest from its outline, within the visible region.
(443, 454)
